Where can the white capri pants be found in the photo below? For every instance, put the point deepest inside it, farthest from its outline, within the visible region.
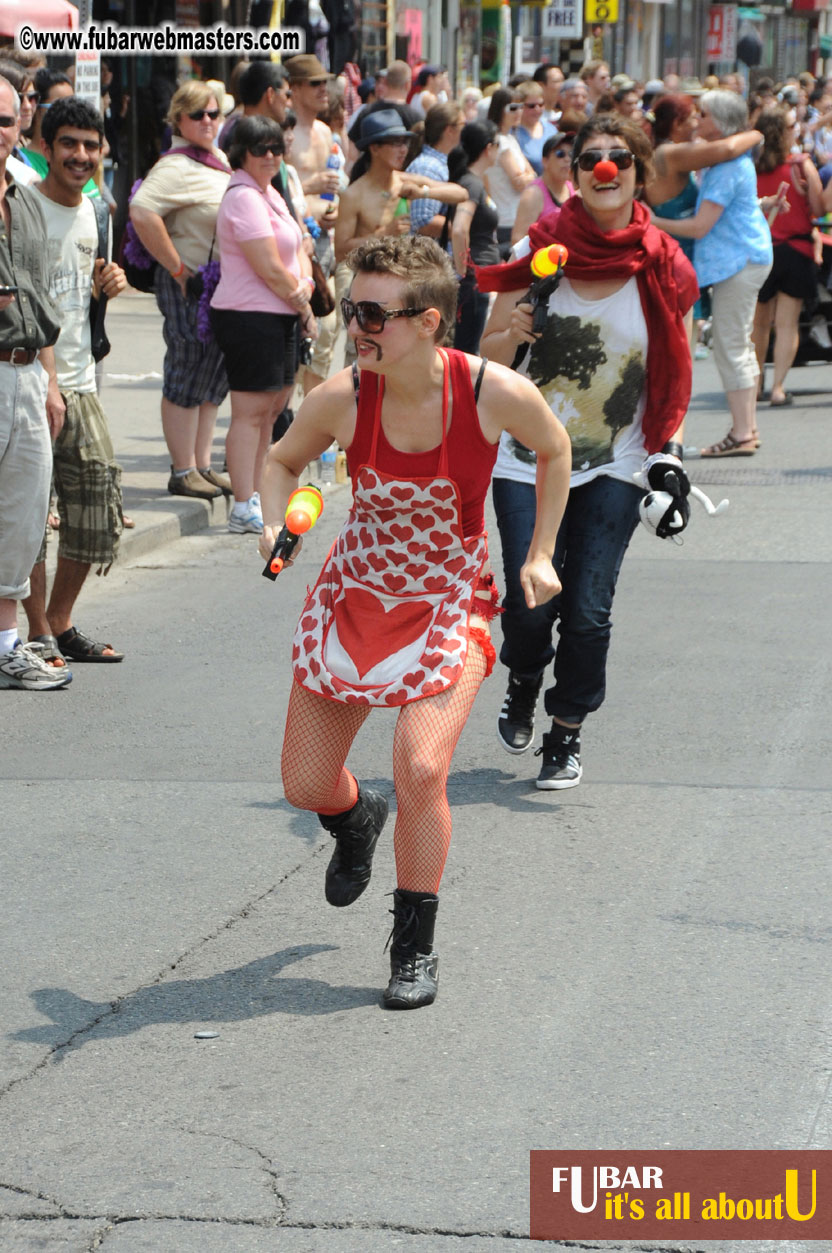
(25, 473)
(734, 303)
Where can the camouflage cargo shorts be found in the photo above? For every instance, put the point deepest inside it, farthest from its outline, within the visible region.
(87, 481)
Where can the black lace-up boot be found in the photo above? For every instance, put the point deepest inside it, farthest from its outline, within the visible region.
(414, 977)
(356, 833)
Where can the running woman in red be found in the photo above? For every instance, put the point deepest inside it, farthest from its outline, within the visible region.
(399, 615)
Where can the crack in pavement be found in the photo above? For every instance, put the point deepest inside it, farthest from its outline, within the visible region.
(110, 1222)
(266, 1167)
(65, 1046)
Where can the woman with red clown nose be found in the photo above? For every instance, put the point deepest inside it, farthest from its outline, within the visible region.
(614, 365)
(398, 618)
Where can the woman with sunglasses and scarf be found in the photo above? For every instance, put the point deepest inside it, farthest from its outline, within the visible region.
(614, 365)
(263, 292)
(399, 615)
(174, 214)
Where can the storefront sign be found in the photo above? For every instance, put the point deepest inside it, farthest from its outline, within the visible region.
(562, 19)
(722, 33)
(601, 11)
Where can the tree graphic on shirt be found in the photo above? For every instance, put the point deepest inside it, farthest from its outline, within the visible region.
(620, 407)
(568, 348)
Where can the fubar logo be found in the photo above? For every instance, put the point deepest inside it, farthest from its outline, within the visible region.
(687, 1194)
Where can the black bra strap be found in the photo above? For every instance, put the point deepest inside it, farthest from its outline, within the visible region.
(478, 383)
(355, 380)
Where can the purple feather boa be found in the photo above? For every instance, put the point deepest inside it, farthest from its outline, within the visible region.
(210, 278)
(134, 250)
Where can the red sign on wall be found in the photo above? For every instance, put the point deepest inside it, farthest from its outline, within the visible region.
(722, 33)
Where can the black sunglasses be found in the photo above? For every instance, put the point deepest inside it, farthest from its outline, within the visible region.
(260, 150)
(32, 96)
(7, 119)
(371, 316)
(199, 114)
(317, 82)
(622, 158)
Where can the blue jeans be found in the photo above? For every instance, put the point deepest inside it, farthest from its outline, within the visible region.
(597, 526)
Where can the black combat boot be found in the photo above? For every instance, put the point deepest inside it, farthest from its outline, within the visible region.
(356, 833)
(414, 977)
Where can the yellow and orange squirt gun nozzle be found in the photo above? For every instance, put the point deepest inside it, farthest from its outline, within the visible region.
(304, 507)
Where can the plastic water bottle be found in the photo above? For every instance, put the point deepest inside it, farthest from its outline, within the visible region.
(328, 464)
(333, 162)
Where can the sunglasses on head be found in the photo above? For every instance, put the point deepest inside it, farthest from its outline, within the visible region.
(622, 158)
(199, 114)
(260, 150)
(371, 316)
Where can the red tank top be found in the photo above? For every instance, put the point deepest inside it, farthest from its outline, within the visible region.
(470, 456)
(795, 226)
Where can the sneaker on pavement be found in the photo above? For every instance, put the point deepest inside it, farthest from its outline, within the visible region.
(515, 726)
(25, 668)
(245, 516)
(561, 753)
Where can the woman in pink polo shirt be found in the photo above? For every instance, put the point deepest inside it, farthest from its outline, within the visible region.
(263, 292)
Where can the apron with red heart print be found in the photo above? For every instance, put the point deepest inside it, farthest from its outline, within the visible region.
(387, 621)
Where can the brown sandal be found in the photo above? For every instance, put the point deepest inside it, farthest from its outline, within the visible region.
(731, 447)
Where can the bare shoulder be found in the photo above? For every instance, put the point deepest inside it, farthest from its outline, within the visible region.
(330, 396)
(503, 393)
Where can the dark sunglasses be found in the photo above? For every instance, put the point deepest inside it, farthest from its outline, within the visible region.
(371, 316)
(317, 82)
(199, 114)
(32, 96)
(622, 158)
(260, 150)
(513, 108)
(6, 120)
(533, 104)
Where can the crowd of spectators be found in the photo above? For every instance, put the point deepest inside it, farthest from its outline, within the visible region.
(259, 195)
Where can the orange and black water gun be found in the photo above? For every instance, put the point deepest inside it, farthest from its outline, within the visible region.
(547, 267)
(304, 507)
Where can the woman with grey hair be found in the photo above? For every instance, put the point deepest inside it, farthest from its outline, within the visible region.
(732, 255)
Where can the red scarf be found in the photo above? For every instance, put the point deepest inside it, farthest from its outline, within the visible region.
(667, 287)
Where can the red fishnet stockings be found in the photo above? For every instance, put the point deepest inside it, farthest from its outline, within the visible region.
(319, 734)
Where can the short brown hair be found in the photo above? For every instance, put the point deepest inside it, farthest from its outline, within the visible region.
(620, 128)
(429, 278)
(439, 118)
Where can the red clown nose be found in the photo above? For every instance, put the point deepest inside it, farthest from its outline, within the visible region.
(605, 171)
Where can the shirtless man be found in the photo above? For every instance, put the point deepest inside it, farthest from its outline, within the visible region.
(313, 141)
(370, 206)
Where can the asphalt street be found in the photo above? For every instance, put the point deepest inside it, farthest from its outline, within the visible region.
(639, 963)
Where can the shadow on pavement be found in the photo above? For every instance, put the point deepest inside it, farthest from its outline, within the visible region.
(237, 995)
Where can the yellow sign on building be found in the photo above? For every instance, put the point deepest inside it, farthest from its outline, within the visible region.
(601, 11)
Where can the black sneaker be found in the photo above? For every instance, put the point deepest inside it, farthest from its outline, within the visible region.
(515, 726)
(561, 753)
